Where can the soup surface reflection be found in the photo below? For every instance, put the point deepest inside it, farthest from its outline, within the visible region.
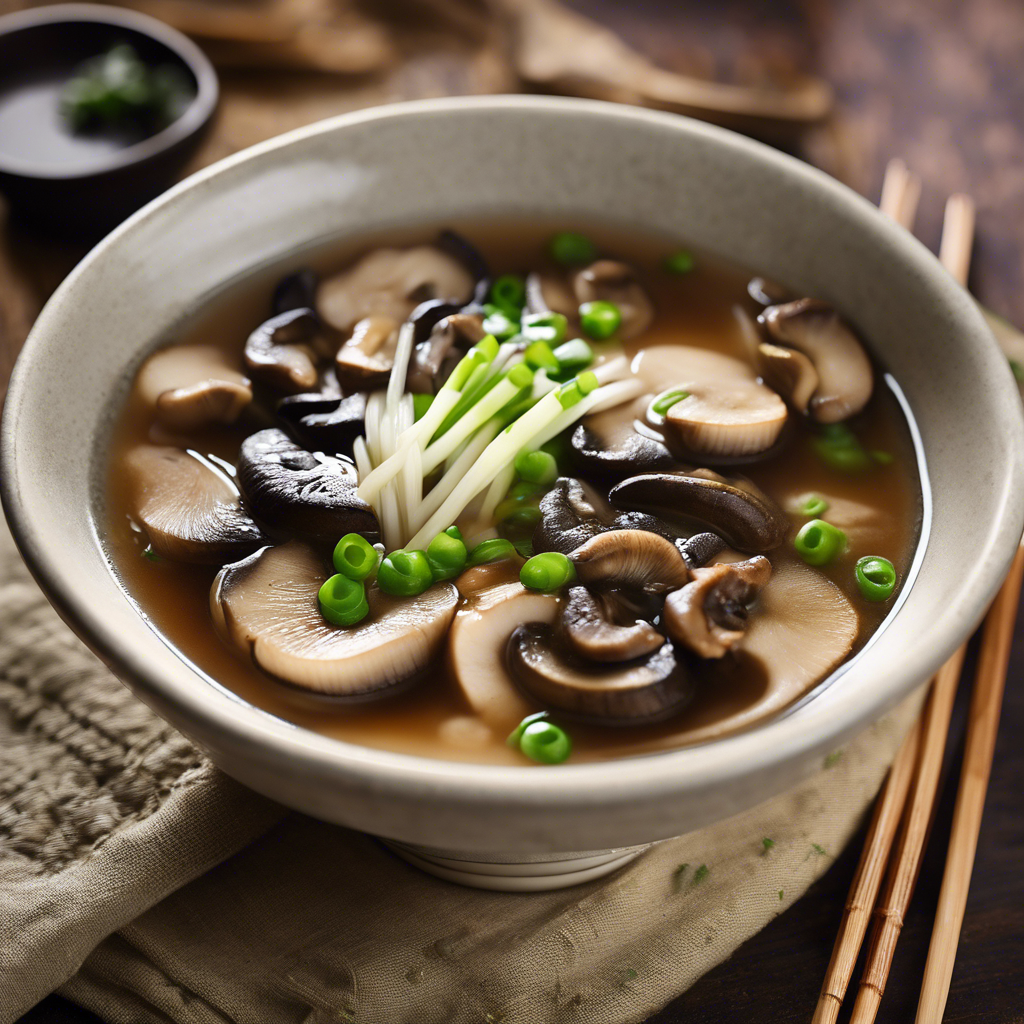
(857, 474)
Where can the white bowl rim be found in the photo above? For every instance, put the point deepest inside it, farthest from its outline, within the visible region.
(240, 726)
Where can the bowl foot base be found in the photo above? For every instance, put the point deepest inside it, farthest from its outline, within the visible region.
(537, 875)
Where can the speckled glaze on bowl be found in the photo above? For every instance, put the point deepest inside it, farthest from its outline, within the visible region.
(425, 162)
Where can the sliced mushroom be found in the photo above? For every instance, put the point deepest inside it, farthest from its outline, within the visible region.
(645, 690)
(767, 292)
(803, 629)
(845, 378)
(478, 638)
(546, 292)
(283, 351)
(189, 510)
(789, 372)
(365, 361)
(391, 283)
(611, 281)
(737, 510)
(325, 424)
(709, 614)
(728, 419)
(631, 558)
(572, 512)
(296, 291)
(617, 443)
(266, 605)
(456, 333)
(461, 249)
(592, 626)
(296, 493)
(192, 386)
(699, 549)
(659, 365)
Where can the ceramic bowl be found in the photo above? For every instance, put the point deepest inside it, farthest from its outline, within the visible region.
(87, 187)
(425, 162)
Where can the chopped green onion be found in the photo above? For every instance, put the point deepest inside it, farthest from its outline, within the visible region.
(547, 326)
(1018, 370)
(150, 555)
(493, 550)
(405, 573)
(571, 249)
(600, 319)
(813, 505)
(876, 577)
(537, 467)
(837, 446)
(523, 518)
(454, 531)
(574, 390)
(545, 743)
(818, 542)
(524, 546)
(343, 600)
(501, 325)
(574, 355)
(883, 458)
(681, 262)
(667, 399)
(517, 733)
(420, 405)
(509, 292)
(482, 353)
(540, 357)
(355, 557)
(446, 555)
(548, 571)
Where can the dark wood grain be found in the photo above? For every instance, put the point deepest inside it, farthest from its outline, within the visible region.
(939, 83)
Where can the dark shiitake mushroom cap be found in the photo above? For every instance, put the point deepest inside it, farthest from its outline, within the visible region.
(190, 512)
(455, 334)
(325, 424)
(737, 510)
(283, 352)
(296, 291)
(572, 512)
(615, 444)
(365, 361)
(266, 605)
(294, 492)
(597, 627)
(648, 689)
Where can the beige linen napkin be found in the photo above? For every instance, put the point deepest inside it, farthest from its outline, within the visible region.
(105, 811)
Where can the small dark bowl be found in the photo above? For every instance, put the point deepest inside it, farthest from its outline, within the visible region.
(84, 186)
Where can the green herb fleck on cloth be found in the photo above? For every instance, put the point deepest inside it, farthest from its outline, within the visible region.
(781, 891)
(677, 877)
(833, 759)
(700, 874)
(1018, 370)
(820, 850)
(767, 844)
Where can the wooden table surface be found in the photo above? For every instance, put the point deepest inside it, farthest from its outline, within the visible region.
(937, 82)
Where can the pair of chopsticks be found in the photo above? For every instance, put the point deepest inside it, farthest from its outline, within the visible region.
(903, 813)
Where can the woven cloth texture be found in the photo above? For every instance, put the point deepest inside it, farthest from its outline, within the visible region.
(107, 814)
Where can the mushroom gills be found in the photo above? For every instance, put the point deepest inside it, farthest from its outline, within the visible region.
(283, 351)
(722, 418)
(595, 628)
(735, 509)
(296, 493)
(190, 512)
(845, 377)
(648, 689)
(391, 283)
(192, 386)
(709, 615)
(266, 605)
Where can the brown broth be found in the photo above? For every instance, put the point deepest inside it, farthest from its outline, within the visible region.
(433, 718)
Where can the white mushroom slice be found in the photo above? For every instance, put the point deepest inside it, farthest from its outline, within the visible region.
(391, 282)
(802, 628)
(476, 649)
(724, 418)
(611, 281)
(631, 558)
(789, 372)
(189, 511)
(658, 365)
(845, 378)
(364, 362)
(266, 605)
(192, 386)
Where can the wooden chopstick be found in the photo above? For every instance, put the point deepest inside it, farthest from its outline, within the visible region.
(901, 191)
(983, 724)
